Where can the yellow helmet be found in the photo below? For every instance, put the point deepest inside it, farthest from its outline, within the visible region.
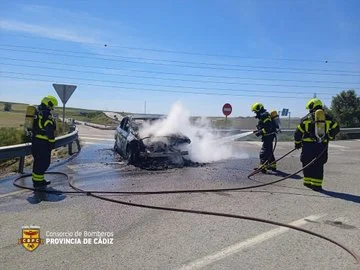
(50, 101)
(314, 103)
(256, 107)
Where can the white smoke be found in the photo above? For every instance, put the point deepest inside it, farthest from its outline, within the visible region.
(205, 145)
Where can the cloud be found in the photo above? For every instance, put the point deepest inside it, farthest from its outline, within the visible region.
(43, 31)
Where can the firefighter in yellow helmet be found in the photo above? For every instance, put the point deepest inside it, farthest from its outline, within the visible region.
(43, 140)
(313, 134)
(266, 129)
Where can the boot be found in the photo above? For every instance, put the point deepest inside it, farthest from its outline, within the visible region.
(316, 188)
(307, 185)
(272, 167)
(261, 167)
(39, 184)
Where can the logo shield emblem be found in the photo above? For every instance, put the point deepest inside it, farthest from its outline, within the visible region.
(30, 237)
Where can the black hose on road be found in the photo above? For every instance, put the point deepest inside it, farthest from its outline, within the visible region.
(208, 213)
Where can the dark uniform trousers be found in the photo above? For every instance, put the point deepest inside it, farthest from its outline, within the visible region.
(42, 143)
(41, 152)
(267, 150)
(314, 174)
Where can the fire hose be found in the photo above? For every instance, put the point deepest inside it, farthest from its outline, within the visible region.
(94, 193)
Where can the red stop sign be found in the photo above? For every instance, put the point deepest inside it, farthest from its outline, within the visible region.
(227, 109)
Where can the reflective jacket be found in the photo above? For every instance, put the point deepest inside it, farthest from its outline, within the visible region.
(305, 131)
(265, 125)
(44, 125)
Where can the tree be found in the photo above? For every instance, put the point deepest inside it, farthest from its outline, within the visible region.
(7, 107)
(346, 108)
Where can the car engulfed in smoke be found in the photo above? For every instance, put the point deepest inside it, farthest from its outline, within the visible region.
(150, 152)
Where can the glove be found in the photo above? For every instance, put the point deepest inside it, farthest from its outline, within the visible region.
(257, 133)
(298, 145)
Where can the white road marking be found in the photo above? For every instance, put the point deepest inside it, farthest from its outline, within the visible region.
(96, 139)
(13, 193)
(97, 143)
(337, 146)
(95, 135)
(202, 262)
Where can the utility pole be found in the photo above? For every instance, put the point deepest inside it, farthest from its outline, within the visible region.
(145, 107)
(314, 95)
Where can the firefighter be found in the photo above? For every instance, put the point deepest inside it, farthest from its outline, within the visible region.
(265, 129)
(313, 134)
(43, 140)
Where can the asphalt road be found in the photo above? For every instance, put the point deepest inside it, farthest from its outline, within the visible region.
(156, 239)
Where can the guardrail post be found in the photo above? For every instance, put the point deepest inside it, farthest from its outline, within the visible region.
(78, 145)
(70, 148)
(21, 164)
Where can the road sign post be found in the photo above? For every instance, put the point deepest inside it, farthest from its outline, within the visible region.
(289, 119)
(227, 109)
(64, 92)
(286, 112)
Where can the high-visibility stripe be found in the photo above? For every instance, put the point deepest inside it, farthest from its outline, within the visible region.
(316, 184)
(310, 178)
(48, 122)
(37, 177)
(273, 166)
(313, 140)
(300, 129)
(34, 174)
(313, 181)
(307, 123)
(39, 122)
(267, 119)
(297, 142)
(327, 128)
(43, 137)
(263, 131)
(307, 181)
(334, 125)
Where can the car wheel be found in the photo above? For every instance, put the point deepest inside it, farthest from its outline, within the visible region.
(130, 155)
(116, 148)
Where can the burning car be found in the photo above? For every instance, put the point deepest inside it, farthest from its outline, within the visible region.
(150, 150)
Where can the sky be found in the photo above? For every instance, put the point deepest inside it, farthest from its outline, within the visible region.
(143, 56)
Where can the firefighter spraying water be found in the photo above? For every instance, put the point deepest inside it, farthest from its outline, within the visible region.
(267, 127)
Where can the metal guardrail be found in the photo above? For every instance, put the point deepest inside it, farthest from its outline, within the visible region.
(286, 131)
(22, 150)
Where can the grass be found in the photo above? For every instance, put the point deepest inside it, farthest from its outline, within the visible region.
(248, 123)
(11, 123)
(11, 136)
(16, 117)
(11, 119)
(14, 135)
(96, 117)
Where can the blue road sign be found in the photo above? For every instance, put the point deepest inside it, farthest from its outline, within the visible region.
(284, 112)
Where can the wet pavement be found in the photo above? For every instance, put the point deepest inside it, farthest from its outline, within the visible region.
(150, 239)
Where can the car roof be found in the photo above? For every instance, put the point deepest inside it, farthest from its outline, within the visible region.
(146, 116)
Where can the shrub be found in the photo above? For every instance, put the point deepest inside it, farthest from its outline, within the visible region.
(7, 107)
